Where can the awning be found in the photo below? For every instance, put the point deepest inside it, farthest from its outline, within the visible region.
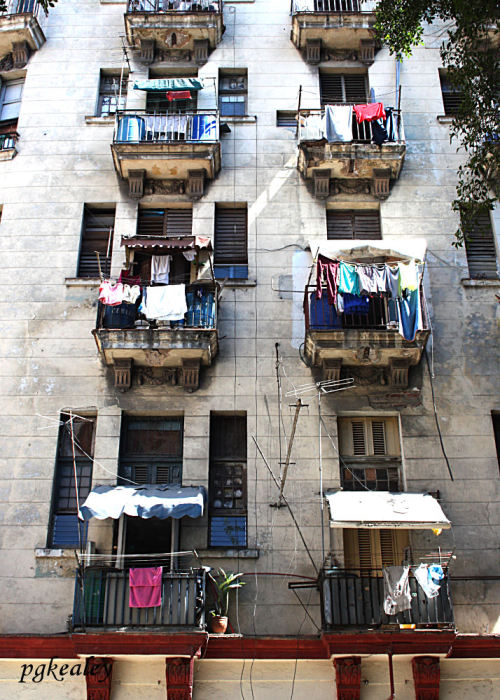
(381, 509)
(168, 84)
(178, 242)
(349, 250)
(145, 501)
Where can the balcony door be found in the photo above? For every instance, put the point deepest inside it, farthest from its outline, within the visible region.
(367, 552)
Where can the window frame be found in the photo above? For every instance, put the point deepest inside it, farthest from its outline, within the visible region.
(481, 249)
(356, 220)
(108, 93)
(227, 265)
(344, 89)
(3, 89)
(86, 238)
(236, 92)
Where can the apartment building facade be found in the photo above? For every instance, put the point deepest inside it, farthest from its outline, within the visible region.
(190, 207)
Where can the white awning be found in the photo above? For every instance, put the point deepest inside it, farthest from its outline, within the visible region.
(144, 501)
(382, 509)
(352, 251)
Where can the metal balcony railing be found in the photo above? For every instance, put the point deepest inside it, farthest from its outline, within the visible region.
(201, 301)
(18, 7)
(102, 600)
(174, 6)
(355, 599)
(333, 6)
(310, 126)
(8, 141)
(320, 315)
(139, 127)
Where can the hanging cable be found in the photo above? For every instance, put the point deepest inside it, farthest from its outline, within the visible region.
(436, 417)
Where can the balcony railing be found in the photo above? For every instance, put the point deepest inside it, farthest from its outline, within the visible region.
(355, 599)
(8, 141)
(202, 312)
(309, 129)
(102, 600)
(18, 7)
(320, 315)
(173, 6)
(333, 6)
(140, 127)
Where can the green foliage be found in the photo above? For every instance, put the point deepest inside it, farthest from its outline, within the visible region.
(223, 583)
(471, 31)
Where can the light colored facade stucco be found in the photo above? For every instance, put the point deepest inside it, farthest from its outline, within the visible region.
(50, 363)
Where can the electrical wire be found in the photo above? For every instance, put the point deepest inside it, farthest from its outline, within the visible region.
(450, 472)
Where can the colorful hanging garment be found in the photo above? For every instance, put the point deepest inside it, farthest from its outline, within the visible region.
(393, 281)
(145, 587)
(369, 112)
(408, 274)
(348, 279)
(328, 270)
(111, 294)
(354, 304)
(178, 95)
(410, 315)
(367, 280)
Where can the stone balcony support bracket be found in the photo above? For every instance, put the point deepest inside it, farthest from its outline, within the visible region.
(98, 677)
(348, 677)
(179, 672)
(426, 676)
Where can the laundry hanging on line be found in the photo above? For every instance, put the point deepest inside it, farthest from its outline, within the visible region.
(145, 587)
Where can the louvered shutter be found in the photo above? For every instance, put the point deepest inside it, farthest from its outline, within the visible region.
(286, 119)
(331, 88)
(355, 88)
(358, 437)
(378, 437)
(97, 235)
(361, 225)
(452, 98)
(480, 249)
(370, 551)
(231, 236)
(151, 222)
(179, 222)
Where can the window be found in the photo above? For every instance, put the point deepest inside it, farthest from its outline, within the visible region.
(286, 119)
(230, 242)
(151, 450)
(111, 98)
(452, 97)
(11, 94)
(233, 92)
(495, 417)
(480, 249)
(165, 222)
(65, 526)
(338, 88)
(97, 237)
(370, 454)
(359, 224)
(369, 551)
(228, 481)
(158, 102)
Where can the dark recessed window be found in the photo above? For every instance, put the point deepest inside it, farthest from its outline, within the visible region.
(230, 244)
(337, 88)
(480, 249)
(111, 97)
(452, 97)
(96, 242)
(286, 119)
(357, 223)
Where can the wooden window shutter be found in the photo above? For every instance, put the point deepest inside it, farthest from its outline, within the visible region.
(151, 222)
(358, 437)
(367, 550)
(355, 88)
(354, 224)
(97, 235)
(452, 98)
(230, 236)
(480, 249)
(337, 88)
(378, 437)
(178, 222)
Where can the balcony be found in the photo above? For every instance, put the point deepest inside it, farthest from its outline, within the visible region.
(167, 153)
(334, 29)
(8, 145)
(102, 600)
(355, 599)
(174, 31)
(350, 167)
(21, 33)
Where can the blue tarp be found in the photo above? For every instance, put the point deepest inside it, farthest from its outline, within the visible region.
(144, 501)
(167, 84)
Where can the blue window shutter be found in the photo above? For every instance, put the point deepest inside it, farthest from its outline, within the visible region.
(65, 531)
(232, 272)
(230, 531)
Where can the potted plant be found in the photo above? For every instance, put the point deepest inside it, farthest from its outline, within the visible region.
(222, 583)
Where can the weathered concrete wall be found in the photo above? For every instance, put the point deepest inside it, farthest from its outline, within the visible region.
(49, 359)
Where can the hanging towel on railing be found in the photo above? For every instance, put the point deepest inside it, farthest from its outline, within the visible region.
(311, 127)
(145, 587)
(369, 112)
(396, 589)
(338, 123)
(410, 315)
(393, 281)
(367, 280)
(160, 268)
(111, 294)
(426, 583)
(164, 303)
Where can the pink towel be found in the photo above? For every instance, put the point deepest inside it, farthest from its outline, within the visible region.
(145, 587)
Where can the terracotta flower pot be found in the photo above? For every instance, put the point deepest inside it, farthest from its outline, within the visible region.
(219, 624)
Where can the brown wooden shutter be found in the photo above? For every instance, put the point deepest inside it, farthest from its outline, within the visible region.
(480, 249)
(378, 437)
(358, 437)
(331, 88)
(231, 236)
(355, 88)
(151, 222)
(97, 235)
(179, 222)
(362, 225)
